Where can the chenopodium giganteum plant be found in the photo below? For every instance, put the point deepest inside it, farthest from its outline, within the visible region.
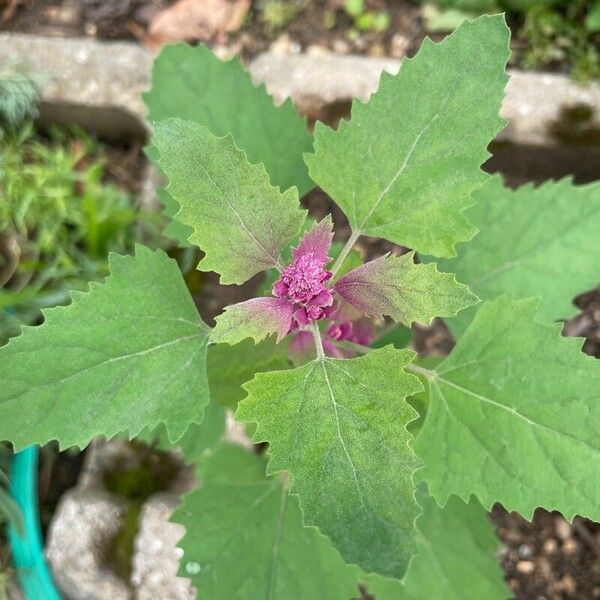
(360, 487)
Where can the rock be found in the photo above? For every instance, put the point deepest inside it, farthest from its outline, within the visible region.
(399, 45)
(570, 546)
(156, 558)
(99, 85)
(315, 81)
(89, 517)
(284, 46)
(563, 529)
(550, 546)
(526, 567)
(84, 521)
(525, 551)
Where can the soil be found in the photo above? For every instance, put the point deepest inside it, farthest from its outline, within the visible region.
(321, 23)
(549, 559)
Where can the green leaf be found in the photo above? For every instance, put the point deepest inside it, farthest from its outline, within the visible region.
(404, 167)
(592, 19)
(397, 287)
(341, 433)
(230, 463)
(197, 439)
(128, 354)
(174, 229)
(513, 416)
(239, 219)
(455, 557)
(231, 366)
(531, 242)
(399, 336)
(245, 538)
(193, 84)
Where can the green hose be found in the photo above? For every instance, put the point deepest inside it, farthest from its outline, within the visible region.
(27, 550)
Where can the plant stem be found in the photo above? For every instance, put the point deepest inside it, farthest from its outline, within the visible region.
(352, 346)
(318, 343)
(345, 250)
(421, 371)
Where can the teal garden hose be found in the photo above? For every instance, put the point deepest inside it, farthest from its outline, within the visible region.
(27, 550)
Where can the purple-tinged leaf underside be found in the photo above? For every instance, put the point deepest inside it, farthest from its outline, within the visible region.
(256, 318)
(398, 287)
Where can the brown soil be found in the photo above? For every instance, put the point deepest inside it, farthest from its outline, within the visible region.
(549, 559)
(321, 23)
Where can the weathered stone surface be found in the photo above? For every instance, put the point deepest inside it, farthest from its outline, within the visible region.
(537, 103)
(88, 517)
(314, 81)
(82, 71)
(156, 558)
(108, 78)
(84, 521)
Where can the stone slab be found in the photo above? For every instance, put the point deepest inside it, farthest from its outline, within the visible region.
(108, 78)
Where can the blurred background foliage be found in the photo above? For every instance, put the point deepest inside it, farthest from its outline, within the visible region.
(59, 219)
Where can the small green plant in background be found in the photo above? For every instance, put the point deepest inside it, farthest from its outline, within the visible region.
(18, 98)
(564, 33)
(276, 14)
(367, 20)
(58, 221)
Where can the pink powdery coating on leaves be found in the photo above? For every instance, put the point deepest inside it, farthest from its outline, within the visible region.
(255, 318)
(316, 242)
(303, 282)
(357, 287)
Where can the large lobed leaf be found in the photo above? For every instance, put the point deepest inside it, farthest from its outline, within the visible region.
(513, 416)
(531, 242)
(404, 167)
(245, 537)
(238, 218)
(127, 355)
(193, 84)
(341, 433)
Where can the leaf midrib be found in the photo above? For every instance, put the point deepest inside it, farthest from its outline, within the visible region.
(103, 363)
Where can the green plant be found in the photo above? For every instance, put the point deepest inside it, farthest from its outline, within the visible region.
(367, 20)
(276, 14)
(554, 34)
(358, 490)
(58, 222)
(18, 97)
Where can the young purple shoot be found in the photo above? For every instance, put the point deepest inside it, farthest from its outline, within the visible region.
(304, 294)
